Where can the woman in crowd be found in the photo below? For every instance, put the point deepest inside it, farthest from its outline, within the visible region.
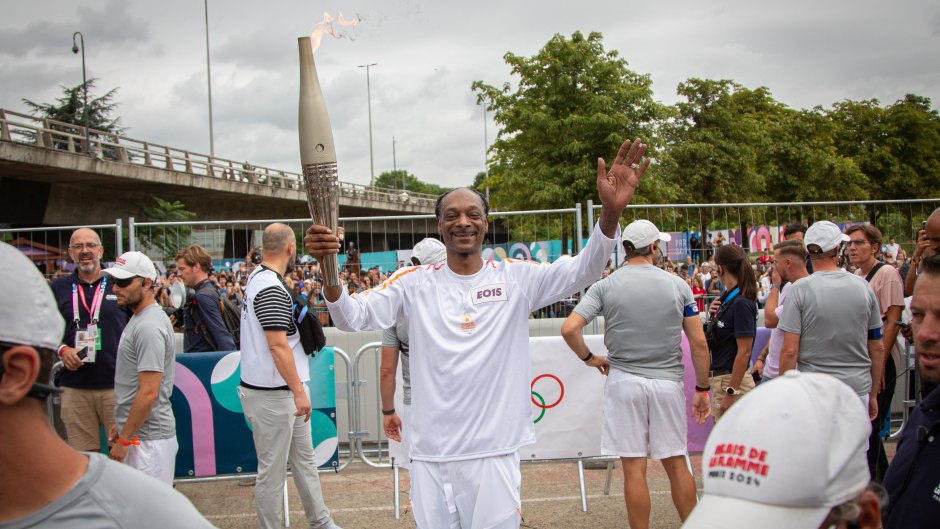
(732, 327)
(698, 291)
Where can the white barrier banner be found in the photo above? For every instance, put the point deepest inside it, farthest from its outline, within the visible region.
(567, 402)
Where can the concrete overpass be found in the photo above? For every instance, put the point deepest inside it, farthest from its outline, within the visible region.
(47, 177)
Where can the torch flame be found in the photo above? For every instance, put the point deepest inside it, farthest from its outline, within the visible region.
(326, 26)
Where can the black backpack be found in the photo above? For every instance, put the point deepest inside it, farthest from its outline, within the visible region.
(231, 317)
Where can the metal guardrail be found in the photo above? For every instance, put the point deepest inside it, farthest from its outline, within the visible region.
(56, 135)
(49, 245)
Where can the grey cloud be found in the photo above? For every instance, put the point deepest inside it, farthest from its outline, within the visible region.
(112, 24)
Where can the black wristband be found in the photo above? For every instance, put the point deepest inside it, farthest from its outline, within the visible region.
(588, 357)
(701, 389)
(388, 412)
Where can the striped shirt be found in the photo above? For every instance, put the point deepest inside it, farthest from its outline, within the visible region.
(273, 308)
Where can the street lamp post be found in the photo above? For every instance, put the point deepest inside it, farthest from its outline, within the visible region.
(75, 49)
(486, 144)
(369, 96)
(209, 77)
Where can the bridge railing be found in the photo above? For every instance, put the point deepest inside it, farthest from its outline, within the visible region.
(56, 135)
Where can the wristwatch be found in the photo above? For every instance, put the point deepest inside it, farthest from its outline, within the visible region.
(733, 392)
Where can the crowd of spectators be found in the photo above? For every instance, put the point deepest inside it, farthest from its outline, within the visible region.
(697, 269)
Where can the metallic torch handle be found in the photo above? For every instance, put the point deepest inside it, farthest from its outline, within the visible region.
(322, 186)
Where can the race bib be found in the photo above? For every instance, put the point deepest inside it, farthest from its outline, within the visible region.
(488, 294)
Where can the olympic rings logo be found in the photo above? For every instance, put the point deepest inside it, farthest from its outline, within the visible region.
(541, 405)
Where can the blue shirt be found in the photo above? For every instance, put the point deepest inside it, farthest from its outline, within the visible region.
(112, 319)
(913, 479)
(738, 320)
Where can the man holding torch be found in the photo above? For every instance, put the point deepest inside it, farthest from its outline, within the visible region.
(468, 330)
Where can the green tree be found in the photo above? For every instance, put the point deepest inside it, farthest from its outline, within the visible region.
(713, 144)
(574, 101)
(803, 163)
(71, 106)
(166, 239)
(401, 179)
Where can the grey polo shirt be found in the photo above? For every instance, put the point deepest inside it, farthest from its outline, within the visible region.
(833, 313)
(644, 308)
(397, 336)
(147, 344)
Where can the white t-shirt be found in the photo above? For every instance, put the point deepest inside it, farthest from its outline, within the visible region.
(469, 345)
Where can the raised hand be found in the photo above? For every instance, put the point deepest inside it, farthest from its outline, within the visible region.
(616, 186)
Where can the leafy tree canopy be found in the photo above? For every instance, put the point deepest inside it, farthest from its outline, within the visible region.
(401, 179)
(574, 101)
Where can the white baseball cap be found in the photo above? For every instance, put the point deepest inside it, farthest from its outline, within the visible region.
(132, 264)
(29, 315)
(824, 234)
(429, 251)
(784, 455)
(642, 233)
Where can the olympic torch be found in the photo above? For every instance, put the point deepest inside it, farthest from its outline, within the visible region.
(318, 155)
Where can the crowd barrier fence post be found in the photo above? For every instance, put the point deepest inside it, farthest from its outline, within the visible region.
(131, 234)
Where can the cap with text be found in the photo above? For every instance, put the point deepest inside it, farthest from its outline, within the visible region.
(29, 315)
(784, 455)
(824, 234)
(429, 251)
(642, 233)
(132, 264)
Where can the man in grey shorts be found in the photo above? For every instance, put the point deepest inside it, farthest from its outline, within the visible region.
(395, 341)
(46, 483)
(831, 321)
(645, 310)
(144, 433)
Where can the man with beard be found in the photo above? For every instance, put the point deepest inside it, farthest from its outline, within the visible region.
(144, 434)
(93, 326)
(273, 392)
(913, 479)
(468, 334)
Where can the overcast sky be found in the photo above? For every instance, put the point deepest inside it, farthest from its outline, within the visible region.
(428, 53)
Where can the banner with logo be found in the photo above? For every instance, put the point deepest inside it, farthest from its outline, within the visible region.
(214, 436)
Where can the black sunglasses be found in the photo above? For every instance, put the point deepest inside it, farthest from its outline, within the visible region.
(126, 282)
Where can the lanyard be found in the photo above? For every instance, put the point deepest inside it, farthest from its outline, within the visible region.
(734, 292)
(95, 310)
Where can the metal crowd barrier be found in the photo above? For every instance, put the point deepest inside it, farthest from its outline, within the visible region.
(48, 246)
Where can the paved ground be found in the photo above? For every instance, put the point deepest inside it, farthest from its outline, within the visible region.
(361, 497)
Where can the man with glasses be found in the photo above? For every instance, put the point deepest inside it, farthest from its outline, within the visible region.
(45, 482)
(93, 326)
(144, 434)
(864, 244)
